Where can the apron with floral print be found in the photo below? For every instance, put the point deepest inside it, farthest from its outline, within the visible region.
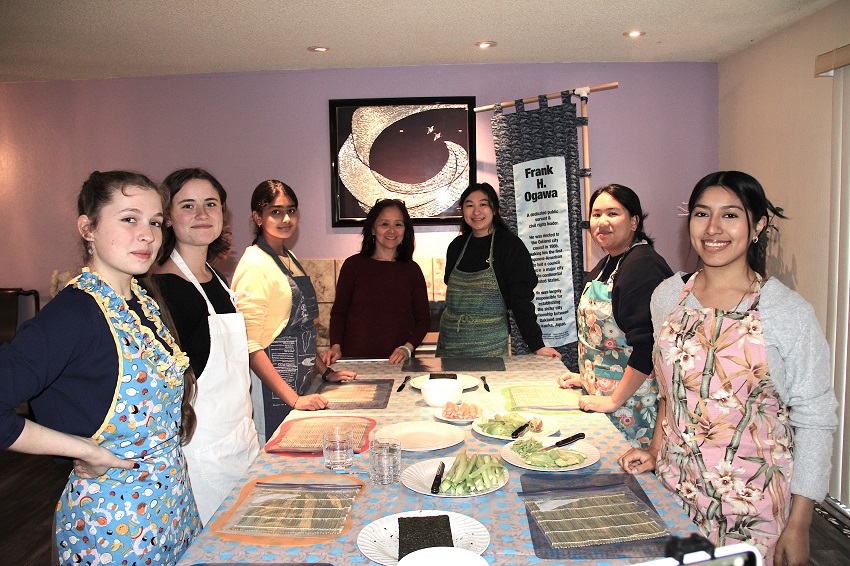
(603, 356)
(728, 449)
(145, 515)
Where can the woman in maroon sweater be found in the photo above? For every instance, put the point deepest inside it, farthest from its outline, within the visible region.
(381, 307)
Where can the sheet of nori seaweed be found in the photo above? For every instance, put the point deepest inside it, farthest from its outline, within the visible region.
(443, 376)
(415, 533)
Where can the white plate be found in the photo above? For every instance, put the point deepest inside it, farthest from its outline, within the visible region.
(550, 426)
(444, 554)
(420, 476)
(378, 540)
(438, 413)
(466, 381)
(422, 436)
(592, 453)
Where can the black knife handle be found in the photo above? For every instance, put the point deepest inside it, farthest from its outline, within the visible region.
(570, 439)
(520, 430)
(438, 479)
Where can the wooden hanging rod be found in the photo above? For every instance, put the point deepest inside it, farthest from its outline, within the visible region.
(530, 99)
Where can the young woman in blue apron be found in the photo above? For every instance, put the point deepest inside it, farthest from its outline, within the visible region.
(279, 304)
(212, 332)
(105, 379)
(614, 323)
(488, 272)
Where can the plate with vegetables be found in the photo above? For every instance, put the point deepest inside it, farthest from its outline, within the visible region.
(466, 475)
(528, 453)
(503, 424)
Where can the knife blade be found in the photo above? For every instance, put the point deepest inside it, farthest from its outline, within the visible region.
(403, 383)
(565, 441)
(484, 381)
(438, 479)
(520, 430)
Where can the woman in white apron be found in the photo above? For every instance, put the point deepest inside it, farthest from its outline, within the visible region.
(614, 324)
(747, 410)
(212, 332)
(279, 304)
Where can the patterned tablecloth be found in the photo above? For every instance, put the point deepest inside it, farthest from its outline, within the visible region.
(501, 512)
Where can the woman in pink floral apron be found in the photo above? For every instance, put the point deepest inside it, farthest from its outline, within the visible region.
(747, 413)
(614, 324)
(105, 379)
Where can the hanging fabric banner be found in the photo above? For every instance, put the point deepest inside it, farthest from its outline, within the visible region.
(538, 166)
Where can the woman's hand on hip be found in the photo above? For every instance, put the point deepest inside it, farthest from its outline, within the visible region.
(637, 461)
(548, 352)
(331, 355)
(569, 380)
(597, 404)
(312, 402)
(98, 460)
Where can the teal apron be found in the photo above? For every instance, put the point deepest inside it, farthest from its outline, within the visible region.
(145, 515)
(603, 355)
(475, 322)
(293, 352)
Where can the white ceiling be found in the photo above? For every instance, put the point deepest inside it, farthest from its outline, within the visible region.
(84, 39)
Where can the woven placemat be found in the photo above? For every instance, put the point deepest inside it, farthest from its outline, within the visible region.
(303, 436)
(357, 394)
(545, 487)
(594, 519)
(542, 397)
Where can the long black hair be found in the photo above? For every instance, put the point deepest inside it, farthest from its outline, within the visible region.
(492, 198)
(404, 251)
(630, 201)
(756, 204)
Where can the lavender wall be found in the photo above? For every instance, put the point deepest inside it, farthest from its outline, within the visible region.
(657, 133)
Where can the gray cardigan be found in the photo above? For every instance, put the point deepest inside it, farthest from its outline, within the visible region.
(798, 360)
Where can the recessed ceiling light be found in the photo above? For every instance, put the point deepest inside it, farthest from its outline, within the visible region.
(318, 48)
(486, 44)
(634, 33)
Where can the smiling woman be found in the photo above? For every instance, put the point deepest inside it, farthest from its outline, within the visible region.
(381, 306)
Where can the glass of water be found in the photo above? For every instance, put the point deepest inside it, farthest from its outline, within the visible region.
(338, 449)
(384, 461)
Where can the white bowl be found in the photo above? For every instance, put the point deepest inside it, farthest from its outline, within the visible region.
(438, 392)
(446, 554)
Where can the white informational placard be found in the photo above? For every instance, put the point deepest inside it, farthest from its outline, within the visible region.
(540, 191)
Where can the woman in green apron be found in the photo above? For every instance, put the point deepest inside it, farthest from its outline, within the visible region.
(488, 272)
(614, 324)
(279, 304)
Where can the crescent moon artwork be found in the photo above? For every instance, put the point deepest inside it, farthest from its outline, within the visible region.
(416, 152)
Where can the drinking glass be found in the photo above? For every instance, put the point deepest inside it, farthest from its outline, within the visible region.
(384, 461)
(338, 449)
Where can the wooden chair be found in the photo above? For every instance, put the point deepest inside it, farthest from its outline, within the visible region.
(13, 310)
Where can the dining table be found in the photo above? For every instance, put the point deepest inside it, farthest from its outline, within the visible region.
(502, 512)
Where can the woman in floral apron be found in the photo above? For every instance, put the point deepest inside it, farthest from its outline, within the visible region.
(488, 272)
(106, 381)
(279, 303)
(614, 324)
(747, 412)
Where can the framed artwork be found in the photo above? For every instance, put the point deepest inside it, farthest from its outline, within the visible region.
(418, 150)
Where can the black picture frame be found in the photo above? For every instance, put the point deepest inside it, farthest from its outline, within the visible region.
(413, 149)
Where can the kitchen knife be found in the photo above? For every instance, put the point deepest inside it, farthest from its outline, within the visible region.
(484, 381)
(520, 430)
(565, 441)
(403, 383)
(438, 479)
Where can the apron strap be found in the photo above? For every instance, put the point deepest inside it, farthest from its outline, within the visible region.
(181, 265)
(264, 245)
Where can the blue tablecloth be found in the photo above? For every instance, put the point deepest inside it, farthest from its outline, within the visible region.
(501, 512)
